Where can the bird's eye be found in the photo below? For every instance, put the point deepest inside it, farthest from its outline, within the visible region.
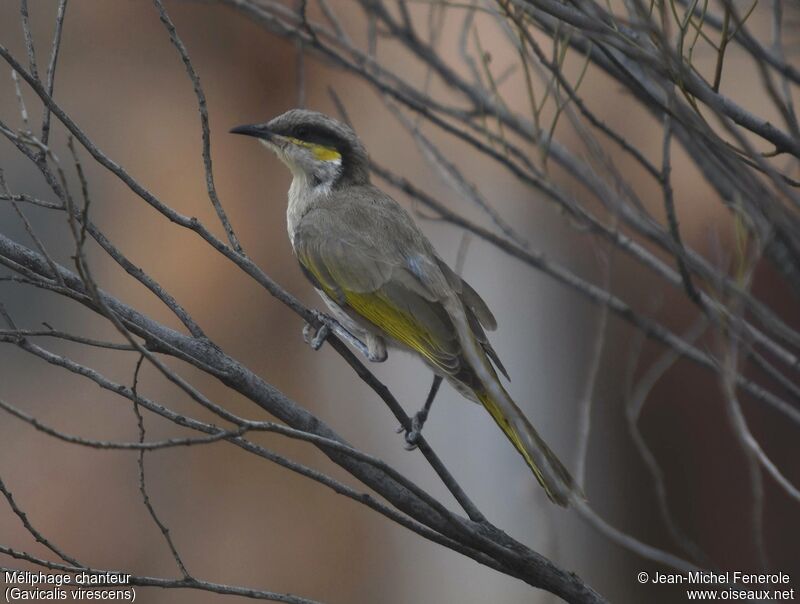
(302, 133)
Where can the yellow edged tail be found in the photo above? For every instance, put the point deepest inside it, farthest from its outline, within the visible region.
(548, 469)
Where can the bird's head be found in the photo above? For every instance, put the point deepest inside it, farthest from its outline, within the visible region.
(315, 147)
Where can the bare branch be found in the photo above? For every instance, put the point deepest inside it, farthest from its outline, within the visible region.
(29, 527)
(144, 581)
(206, 131)
(142, 483)
(51, 66)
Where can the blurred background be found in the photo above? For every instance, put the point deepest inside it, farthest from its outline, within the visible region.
(242, 521)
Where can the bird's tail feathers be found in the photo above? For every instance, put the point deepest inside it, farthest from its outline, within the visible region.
(548, 469)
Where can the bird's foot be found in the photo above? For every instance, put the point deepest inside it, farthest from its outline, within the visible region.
(315, 336)
(412, 436)
(376, 348)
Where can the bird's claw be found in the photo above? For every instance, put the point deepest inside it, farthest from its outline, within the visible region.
(315, 337)
(376, 356)
(412, 435)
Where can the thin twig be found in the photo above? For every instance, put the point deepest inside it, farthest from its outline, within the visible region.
(635, 400)
(28, 36)
(53, 333)
(143, 483)
(672, 219)
(29, 229)
(206, 131)
(586, 403)
(145, 581)
(51, 67)
(35, 533)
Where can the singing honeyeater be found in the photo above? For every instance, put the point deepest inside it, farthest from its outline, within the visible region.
(383, 280)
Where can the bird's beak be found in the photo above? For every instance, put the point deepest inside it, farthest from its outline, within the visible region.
(256, 130)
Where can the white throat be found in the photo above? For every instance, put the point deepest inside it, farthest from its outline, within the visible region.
(312, 180)
(303, 196)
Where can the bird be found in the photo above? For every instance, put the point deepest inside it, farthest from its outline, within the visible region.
(383, 280)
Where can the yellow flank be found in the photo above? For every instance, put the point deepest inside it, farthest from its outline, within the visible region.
(378, 310)
(400, 325)
(321, 152)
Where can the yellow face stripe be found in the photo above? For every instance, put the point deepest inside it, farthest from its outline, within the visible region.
(321, 152)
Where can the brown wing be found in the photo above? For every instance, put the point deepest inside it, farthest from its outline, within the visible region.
(391, 277)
